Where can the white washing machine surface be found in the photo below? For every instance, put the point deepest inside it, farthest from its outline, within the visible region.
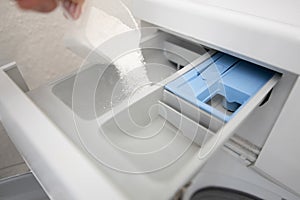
(225, 177)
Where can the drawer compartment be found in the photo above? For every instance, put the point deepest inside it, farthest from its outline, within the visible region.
(221, 85)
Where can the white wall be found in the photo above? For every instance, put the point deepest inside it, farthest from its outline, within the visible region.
(35, 42)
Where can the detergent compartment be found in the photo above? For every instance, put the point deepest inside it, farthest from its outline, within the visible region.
(221, 85)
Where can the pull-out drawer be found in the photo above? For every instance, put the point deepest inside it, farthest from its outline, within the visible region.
(143, 145)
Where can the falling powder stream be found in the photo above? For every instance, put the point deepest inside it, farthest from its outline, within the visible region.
(125, 54)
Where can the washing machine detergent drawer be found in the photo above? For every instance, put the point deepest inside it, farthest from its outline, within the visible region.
(194, 111)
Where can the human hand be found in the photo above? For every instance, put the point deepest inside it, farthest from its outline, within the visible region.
(73, 7)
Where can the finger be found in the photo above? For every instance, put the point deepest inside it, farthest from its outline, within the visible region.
(73, 7)
(77, 12)
(38, 5)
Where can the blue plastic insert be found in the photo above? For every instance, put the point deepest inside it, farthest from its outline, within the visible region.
(235, 80)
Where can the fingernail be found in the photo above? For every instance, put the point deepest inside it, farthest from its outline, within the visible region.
(77, 11)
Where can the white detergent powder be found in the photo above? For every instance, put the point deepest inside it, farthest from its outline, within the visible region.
(122, 50)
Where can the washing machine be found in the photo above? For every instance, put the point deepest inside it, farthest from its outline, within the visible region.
(250, 47)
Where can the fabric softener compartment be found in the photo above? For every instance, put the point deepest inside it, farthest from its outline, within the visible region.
(221, 85)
